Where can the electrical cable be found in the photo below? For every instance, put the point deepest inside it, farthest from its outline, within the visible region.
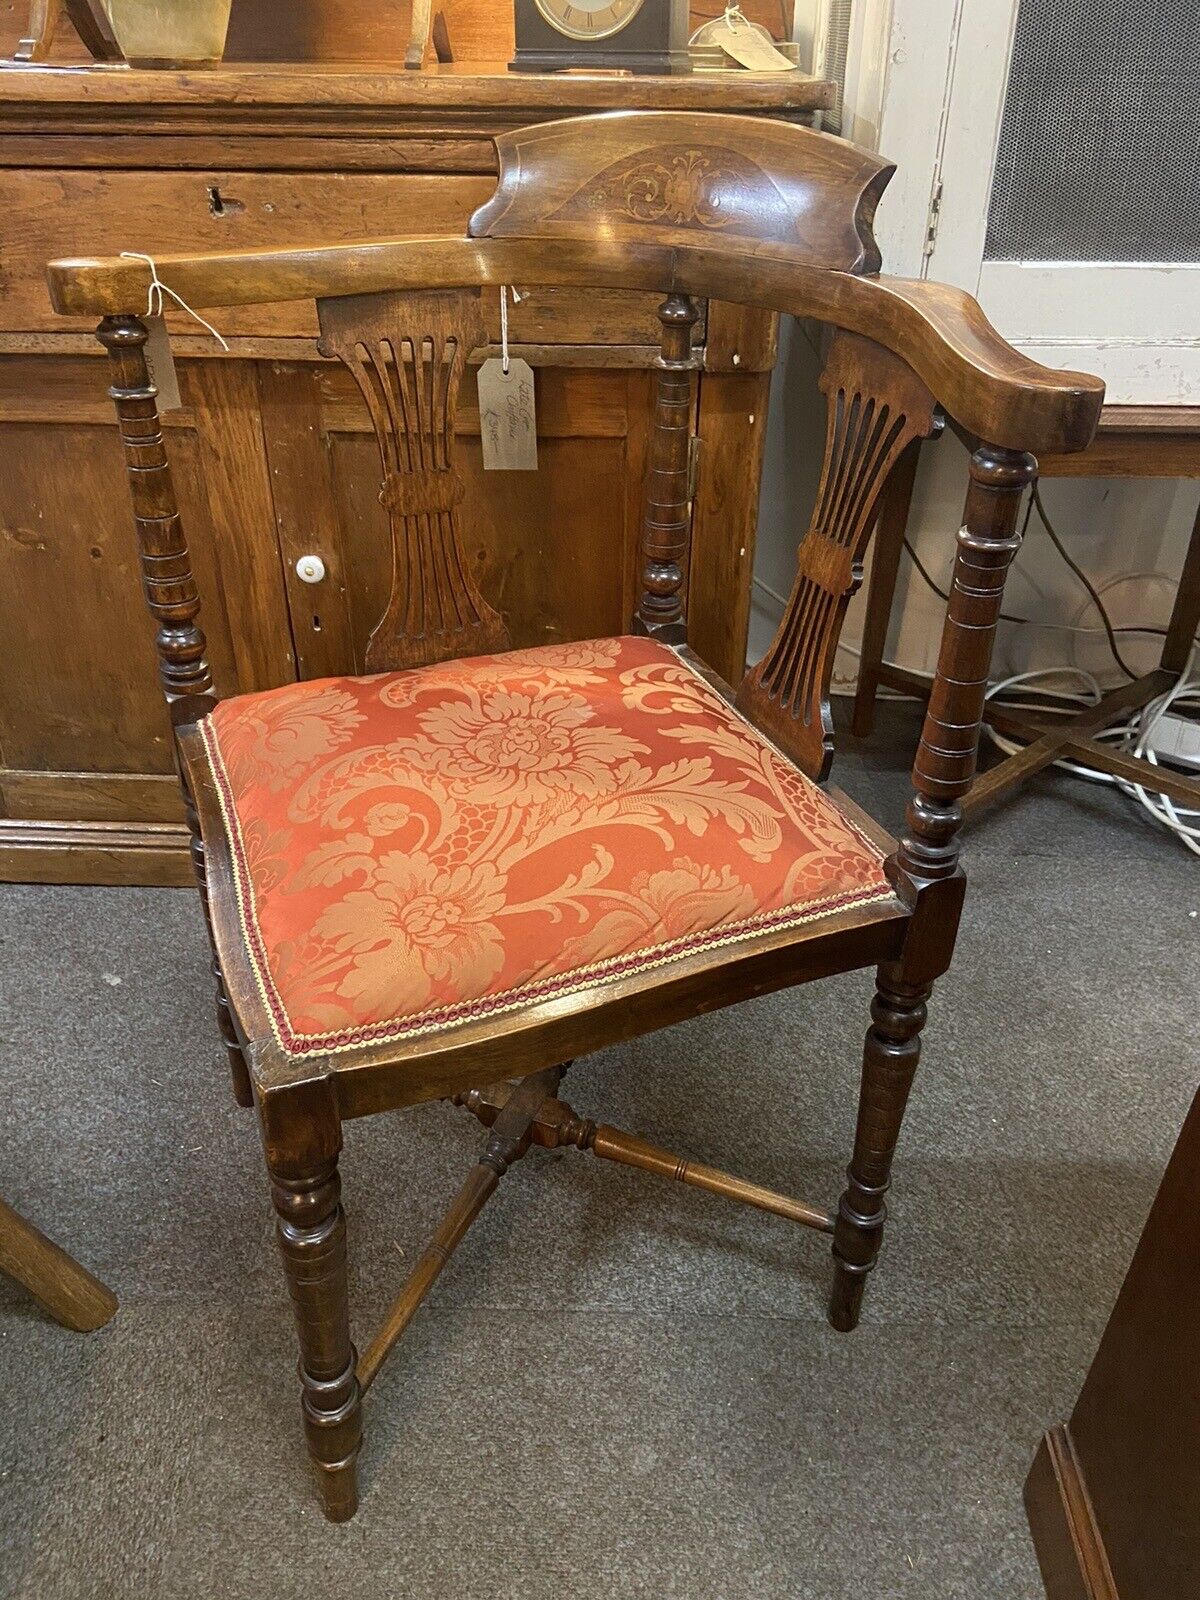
(1008, 616)
(1036, 500)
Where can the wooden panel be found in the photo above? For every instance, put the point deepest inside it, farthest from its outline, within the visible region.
(550, 549)
(546, 548)
(570, 404)
(232, 459)
(1127, 1465)
(1135, 454)
(96, 852)
(90, 796)
(567, 512)
(56, 213)
(78, 684)
(306, 517)
(740, 339)
(725, 518)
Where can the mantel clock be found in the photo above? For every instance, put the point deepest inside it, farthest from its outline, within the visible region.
(634, 35)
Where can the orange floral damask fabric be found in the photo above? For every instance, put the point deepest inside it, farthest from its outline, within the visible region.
(416, 849)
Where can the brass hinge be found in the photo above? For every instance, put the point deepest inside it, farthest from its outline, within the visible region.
(933, 220)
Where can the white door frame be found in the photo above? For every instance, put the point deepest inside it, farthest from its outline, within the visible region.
(925, 84)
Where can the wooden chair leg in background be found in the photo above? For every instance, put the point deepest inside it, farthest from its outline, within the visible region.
(881, 586)
(890, 1057)
(55, 1280)
(302, 1138)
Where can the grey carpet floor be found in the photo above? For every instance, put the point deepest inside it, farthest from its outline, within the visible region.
(620, 1387)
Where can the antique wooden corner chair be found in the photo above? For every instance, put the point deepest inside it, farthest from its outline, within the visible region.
(451, 877)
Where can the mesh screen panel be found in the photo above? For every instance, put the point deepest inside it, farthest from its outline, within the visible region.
(1099, 156)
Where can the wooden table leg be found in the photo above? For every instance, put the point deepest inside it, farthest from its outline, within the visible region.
(1185, 615)
(881, 588)
(69, 1293)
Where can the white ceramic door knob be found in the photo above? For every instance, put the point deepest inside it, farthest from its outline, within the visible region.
(310, 569)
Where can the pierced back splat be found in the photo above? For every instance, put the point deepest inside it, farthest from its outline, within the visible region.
(877, 408)
(407, 352)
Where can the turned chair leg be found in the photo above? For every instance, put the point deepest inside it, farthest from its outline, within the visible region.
(311, 1229)
(890, 1056)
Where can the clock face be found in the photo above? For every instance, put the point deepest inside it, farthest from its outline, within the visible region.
(589, 19)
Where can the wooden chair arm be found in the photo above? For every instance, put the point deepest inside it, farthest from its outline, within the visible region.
(996, 393)
(994, 390)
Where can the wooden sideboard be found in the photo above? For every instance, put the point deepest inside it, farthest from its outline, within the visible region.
(95, 160)
(1114, 1494)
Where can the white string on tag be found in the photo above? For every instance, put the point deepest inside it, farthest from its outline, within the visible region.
(154, 300)
(505, 290)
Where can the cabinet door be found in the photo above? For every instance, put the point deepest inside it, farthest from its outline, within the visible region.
(554, 550)
(87, 790)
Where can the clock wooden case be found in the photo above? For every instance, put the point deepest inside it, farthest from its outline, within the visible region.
(634, 35)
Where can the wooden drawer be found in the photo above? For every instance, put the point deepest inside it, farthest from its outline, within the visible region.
(66, 213)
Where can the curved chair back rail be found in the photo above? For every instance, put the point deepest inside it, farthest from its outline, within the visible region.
(992, 390)
(730, 178)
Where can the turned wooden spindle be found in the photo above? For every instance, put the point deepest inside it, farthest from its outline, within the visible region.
(311, 1230)
(167, 580)
(511, 1133)
(949, 749)
(666, 521)
(890, 1057)
(557, 1126)
(927, 861)
(171, 595)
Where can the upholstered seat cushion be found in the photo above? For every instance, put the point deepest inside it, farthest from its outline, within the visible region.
(417, 848)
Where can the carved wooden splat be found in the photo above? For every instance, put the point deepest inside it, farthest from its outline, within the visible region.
(877, 408)
(407, 352)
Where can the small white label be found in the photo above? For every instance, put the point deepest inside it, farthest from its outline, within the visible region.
(742, 41)
(162, 366)
(508, 416)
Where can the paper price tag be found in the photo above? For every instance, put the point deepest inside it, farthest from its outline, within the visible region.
(508, 416)
(161, 363)
(742, 41)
